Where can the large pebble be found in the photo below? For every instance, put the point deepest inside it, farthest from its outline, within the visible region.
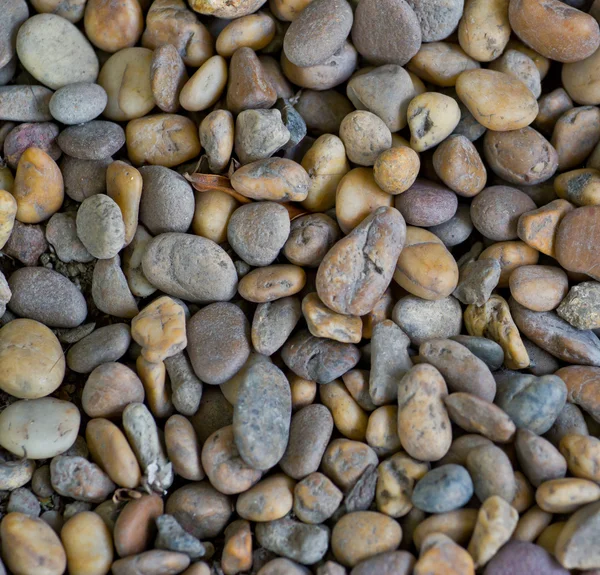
(55, 52)
(104, 345)
(358, 269)
(192, 268)
(77, 478)
(46, 296)
(15, 13)
(297, 541)
(135, 526)
(40, 135)
(261, 416)
(334, 358)
(218, 342)
(78, 103)
(93, 140)
(100, 226)
(29, 545)
(523, 558)
(110, 291)
(32, 363)
(576, 545)
(386, 32)
(84, 178)
(154, 562)
(25, 103)
(273, 322)
(575, 240)
(39, 428)
(443, 489)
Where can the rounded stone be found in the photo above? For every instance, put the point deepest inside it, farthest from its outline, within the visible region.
(438, 18)
(262, 415)
(426, 204)
(386, 31)
(78, 103)
(219, 342)
(257, 232)
(61, 233)
(93, 140)
(523, 558)
(167, 203)
(104, 345)
(46, 296)
(443, 489)
(84, 178)
(100, 226)
(55, 52)
(576, 241)
(77, 478)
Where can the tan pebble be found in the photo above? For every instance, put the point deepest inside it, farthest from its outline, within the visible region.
(113, 26)
(135, 527)
(531, 524)
(316, 498)
(303, 391)
(582, 453)
(345, 461)
(162, 139)
(216, 139)
(124, 186)
(395, 170)
(88, 544)
(539, 288)
(38, 187)
(440, 63)
(183, 448)
(154, 562)
(496, 522)
(566, 495)
(358, 384)
(110, 450)
(458, 525)
(29, 545)
(493, 320)
(397, 477)
(8, 212)
(268, 500)
(153, 377)
(322, 322)
(549, 536)
(205, 87)
(484, 29)
(132, 263)
(272, 282)
(431, 118)
(382, 430)
(582, 187)
(423, 423)
(237, 551)
(32, 363)
(160, 329)
(167, 77)
(362, 534)
(349, 418)
(442, 556)
(510, 255)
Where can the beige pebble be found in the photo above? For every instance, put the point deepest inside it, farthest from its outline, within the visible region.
(431, 118)
(124, 186)
(205, 87)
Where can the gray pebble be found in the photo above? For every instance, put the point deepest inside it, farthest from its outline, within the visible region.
(273, 322)
(106, 344)
(538, 458)
(443, 489)
(213, 413)
(318, 359)
(61, 233)
(310, 432)
(72, 509)
(477, 281)
(570, 421)
(438, 18)
(422, 319)
(531, 402)
(361, 495)
(54, 519)
(190, 267)
(581, 306)
(40, 482)
(311, 237)
(318, 32)
(22, 500)
(293, 121)
(25, 103)
(261, 416)
(389, 361)
(110, 290)
(186, 388)
(26, 243)
(84, 178)
(491, 472)
(75, 477)
(173, 537)
(297, 541)
(78, 103)
(5, 294)
(331, 568)
(457, 229)
(524, 558)
(257, 232)
(40, 135)
(259, 134)
(46, 296)
(100, 226)
(485, 349)
(70, 336)
(14, 13)
(323, 111)
(390, 563)
(7, 71)
(93, 140)
(218, 342)
(167, 203)
(540, 361)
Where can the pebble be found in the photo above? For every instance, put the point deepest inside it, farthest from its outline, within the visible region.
(154, 562)
(273, 322)
(574, 547)
(201, 272)
(22, 500)
(491, 472)
(426, 204)
(521, 558)
(26, 243)
(75, 477)
(104, 345)
(438, 19)
(16, 14)
(316, 498)
(135, 527)
(39, 428)
(94, 140)
(55, 52)
(46, 296)
(61, 233)
(294, 540)
(25, 103)
(78, 103)
(173, 537)
(268, 500)
(28, 542)
(84, 178)
(580, 307)
(399, 562)
(31, 135)
(40, 482)
(100, 226)
(110, 291)
(259, 134)
(443, 489)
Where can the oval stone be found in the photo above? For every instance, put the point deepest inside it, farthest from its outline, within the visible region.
(189, 267)
(104, 345)
(443, 489)
(93, 140)
(78, 103)
(39, 428)
(261, 416)
(46, 296)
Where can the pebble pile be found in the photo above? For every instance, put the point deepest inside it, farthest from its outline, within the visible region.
(297, 287)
